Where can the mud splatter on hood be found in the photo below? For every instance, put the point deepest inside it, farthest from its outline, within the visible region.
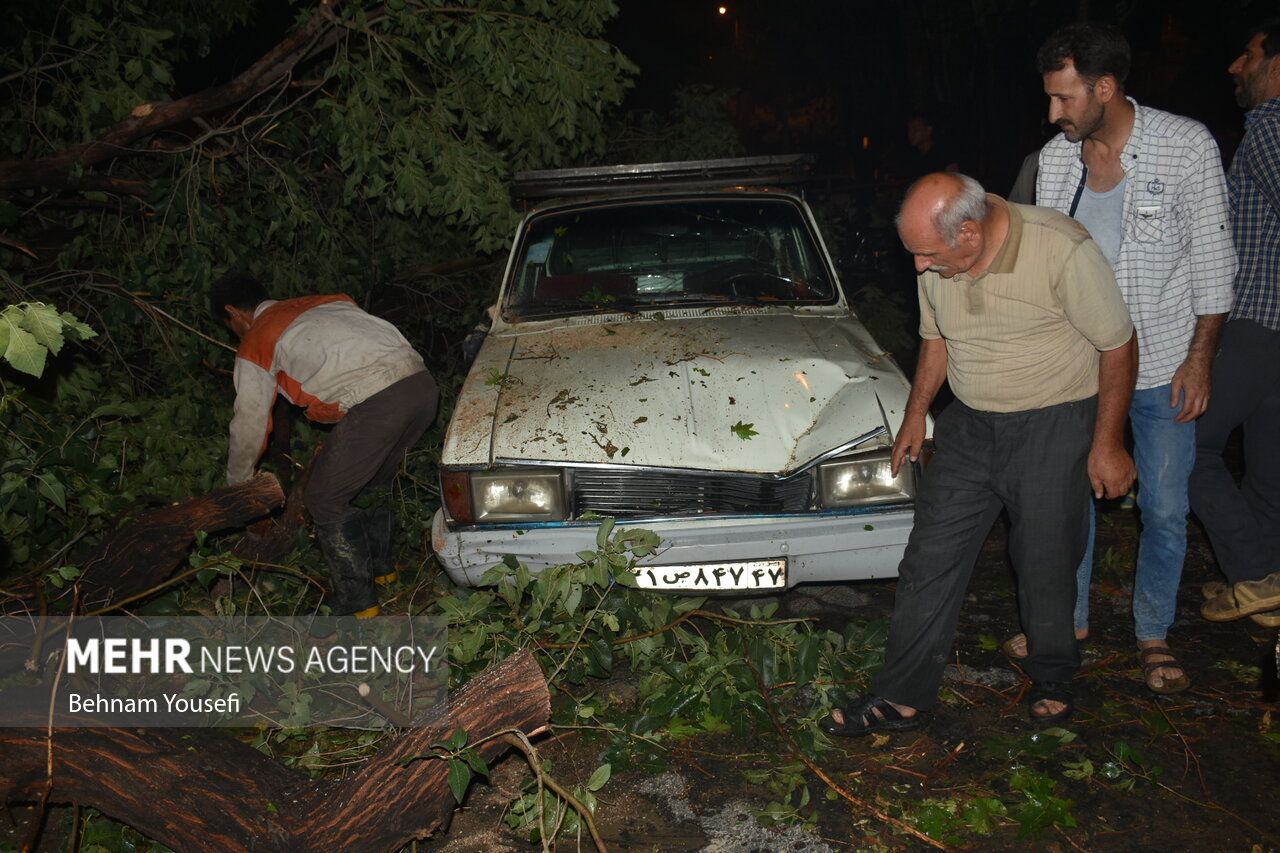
(683, 393)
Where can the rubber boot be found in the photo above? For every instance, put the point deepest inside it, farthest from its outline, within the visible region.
(345, 546)
(381, 528)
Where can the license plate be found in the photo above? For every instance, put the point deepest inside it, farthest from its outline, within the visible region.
(697, 577)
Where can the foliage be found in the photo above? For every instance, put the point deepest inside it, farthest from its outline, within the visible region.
(945, 819)
(79, 454)
(539, 814)
(463, 763)
(786, 783)
(385, 149)
(31, 332)
(698, 671)
(1041, 807)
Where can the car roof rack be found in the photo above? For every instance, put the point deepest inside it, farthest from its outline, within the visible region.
(772, 170)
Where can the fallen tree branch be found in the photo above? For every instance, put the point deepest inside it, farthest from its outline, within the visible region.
(274, 67)
(135, 561)
(521, 742)
(799, 755)
(201, 790)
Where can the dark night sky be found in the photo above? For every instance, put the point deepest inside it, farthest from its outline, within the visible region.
(820, 75)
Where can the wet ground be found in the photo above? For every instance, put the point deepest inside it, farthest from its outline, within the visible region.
(1199, 770)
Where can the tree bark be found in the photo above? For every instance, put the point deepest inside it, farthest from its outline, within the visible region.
(142, 554)
(145, 552)
(200, 790)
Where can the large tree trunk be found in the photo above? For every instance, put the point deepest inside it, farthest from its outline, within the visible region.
(200, 790)
(141, 555)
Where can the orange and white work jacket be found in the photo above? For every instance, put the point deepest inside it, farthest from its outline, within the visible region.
(321, 352)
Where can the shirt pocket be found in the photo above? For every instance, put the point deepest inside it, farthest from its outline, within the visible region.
(1150, 223)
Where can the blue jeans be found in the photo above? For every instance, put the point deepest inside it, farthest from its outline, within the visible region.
(1165, 452)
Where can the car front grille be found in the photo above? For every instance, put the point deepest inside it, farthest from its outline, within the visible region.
(621, 494)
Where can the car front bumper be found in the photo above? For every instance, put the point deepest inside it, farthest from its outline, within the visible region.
(818, 547)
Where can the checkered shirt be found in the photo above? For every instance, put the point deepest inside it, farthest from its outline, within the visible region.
(1176, 257)
(1255, 213)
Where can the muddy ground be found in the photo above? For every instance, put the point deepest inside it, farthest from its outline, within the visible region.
(1195, 771)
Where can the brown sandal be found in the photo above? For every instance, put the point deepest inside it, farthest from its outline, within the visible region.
(1149, 667)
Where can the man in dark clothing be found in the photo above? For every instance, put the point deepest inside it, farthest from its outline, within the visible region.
(1243, 522)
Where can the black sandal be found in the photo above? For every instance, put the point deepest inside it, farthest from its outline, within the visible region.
(1049, 691)
(871, 714)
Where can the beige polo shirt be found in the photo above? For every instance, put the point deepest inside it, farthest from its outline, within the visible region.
(1026, 333)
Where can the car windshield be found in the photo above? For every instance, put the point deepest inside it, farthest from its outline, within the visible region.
(647, 256)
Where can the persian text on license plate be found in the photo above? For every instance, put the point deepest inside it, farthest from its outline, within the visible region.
(743, 575)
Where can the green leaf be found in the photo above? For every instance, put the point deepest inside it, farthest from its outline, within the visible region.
(45, 325)
(807, 660)
(475, 762)
(978, 814)
(459, 778)
(602, 534)
(73, 329)
(573, 599)
(599, 778)
(52, 490)
(21, 349)
(744, 431)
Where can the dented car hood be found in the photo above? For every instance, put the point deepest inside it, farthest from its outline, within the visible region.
(761, 392)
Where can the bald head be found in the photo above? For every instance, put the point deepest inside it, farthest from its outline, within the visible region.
(943, 200)
(941, 222)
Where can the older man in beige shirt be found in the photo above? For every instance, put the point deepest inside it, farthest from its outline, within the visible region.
(1021, 313)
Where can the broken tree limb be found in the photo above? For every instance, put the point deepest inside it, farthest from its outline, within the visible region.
(146, 551)
(201, 790)
(273, 69)
(142, 554)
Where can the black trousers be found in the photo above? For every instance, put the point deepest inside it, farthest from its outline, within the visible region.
(1035, 465)
(366, 447)
(1243, 522)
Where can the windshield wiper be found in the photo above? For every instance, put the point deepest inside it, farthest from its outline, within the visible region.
(561, 305)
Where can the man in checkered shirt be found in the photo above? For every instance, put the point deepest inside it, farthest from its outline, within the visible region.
(1150, 188)
(1244, 523)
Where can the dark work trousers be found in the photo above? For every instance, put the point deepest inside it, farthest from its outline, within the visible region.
(366, 447)
(1243, 522)
(1035, 465)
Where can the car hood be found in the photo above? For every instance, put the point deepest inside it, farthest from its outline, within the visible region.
(762, 393)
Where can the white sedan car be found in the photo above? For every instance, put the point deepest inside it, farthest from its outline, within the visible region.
(681, 359)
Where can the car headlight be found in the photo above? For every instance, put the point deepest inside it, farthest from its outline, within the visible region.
(865, 480)
(509, 495)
